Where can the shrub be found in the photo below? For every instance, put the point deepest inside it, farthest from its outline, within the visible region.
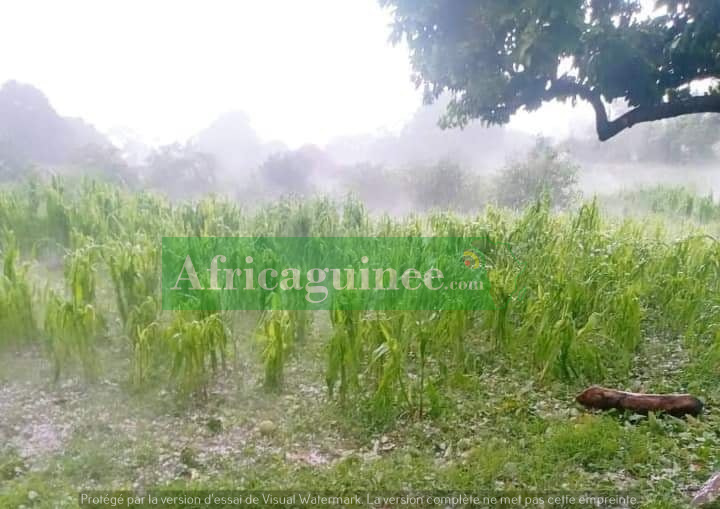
(544, 171)
(444, 185)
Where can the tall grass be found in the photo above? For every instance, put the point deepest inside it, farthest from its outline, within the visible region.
(575, 293)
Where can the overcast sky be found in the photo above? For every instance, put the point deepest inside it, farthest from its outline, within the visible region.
(304, 71)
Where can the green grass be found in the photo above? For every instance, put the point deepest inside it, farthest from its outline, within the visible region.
(395, 401)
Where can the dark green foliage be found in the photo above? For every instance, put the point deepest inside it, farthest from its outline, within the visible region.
(497, 57)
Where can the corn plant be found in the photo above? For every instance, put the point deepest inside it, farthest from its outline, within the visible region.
(134, 271)
(16, 297)
(196, 344)
(73, 325)
(595, 286)
(144, 330)
(277, 335)
(344, 351)
(59, 226)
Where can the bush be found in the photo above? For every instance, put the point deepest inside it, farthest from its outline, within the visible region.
(181, 171)
(374, 185)
(102, 162)
(287, 173)
(544, 171)
(444, 185)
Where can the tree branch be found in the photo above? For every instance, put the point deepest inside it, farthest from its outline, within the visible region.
(606, 128)
(698, 104)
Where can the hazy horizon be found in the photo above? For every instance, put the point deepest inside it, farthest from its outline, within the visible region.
(213, 61)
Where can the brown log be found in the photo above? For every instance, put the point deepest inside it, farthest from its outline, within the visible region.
(677, 405)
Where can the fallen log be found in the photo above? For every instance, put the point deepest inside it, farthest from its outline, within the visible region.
(677, 405)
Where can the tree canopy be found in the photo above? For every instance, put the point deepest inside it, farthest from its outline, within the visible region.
(31, 131)
(496, 57)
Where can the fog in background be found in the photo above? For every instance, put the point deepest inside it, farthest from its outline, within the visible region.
(240, 100)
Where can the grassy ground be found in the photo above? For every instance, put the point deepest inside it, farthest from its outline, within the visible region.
(498, 432)
(603, 296)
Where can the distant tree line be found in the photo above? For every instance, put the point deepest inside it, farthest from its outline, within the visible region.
(419, 168)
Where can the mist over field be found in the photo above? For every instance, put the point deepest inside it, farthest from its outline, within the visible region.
(372, 253)
(419, 159)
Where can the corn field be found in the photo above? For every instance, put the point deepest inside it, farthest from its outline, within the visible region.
(81, 266)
